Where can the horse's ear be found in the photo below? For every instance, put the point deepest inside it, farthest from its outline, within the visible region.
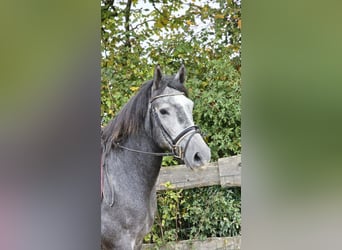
(157, 77)
(181, 74)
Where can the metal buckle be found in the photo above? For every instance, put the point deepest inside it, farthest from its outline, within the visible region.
(178, 153)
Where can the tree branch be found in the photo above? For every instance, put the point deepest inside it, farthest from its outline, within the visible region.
(127, 22)
(155, 7)
(140, 24)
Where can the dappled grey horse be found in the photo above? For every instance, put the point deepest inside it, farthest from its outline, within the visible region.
(156, 122)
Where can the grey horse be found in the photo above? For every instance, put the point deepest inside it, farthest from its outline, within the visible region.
(156, 122)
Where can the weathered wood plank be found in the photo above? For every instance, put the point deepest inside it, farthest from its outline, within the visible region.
(226, 243)
(230, 171)
(226, 172)
(181, 177)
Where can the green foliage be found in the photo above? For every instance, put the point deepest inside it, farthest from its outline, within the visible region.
(206, 37)
(217, 97)
(169, 161)
(197, 213)
(134, 38)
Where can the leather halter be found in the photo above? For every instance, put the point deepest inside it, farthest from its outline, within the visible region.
(176, 149)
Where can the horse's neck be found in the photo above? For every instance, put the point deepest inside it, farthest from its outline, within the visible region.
(145, 167)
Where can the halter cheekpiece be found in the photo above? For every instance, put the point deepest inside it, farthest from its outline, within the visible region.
(176, 149)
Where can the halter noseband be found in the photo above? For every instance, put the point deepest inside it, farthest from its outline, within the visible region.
(176, 149)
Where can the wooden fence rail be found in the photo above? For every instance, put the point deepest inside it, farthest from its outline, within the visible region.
(222, 243)
(225, 172)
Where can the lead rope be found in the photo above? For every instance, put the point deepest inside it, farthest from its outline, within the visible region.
(101, 178)
(143, 152)
(105, 170)
(174, 143)
(111, 188)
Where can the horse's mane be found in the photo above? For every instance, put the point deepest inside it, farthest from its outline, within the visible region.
(130, 120)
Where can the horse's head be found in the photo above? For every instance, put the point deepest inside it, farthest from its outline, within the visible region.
(171, 118)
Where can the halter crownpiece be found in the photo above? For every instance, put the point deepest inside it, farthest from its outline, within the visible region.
(164, 95)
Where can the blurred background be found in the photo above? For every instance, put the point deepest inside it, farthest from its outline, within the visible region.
(51, 111)
(206, 37)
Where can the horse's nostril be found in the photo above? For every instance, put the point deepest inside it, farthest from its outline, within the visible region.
(197, 157)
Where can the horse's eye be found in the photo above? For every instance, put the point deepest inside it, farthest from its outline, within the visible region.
(164, 112)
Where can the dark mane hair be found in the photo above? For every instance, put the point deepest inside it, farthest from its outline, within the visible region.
(130, 119)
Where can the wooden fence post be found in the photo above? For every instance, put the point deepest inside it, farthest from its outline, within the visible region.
(230, 171)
